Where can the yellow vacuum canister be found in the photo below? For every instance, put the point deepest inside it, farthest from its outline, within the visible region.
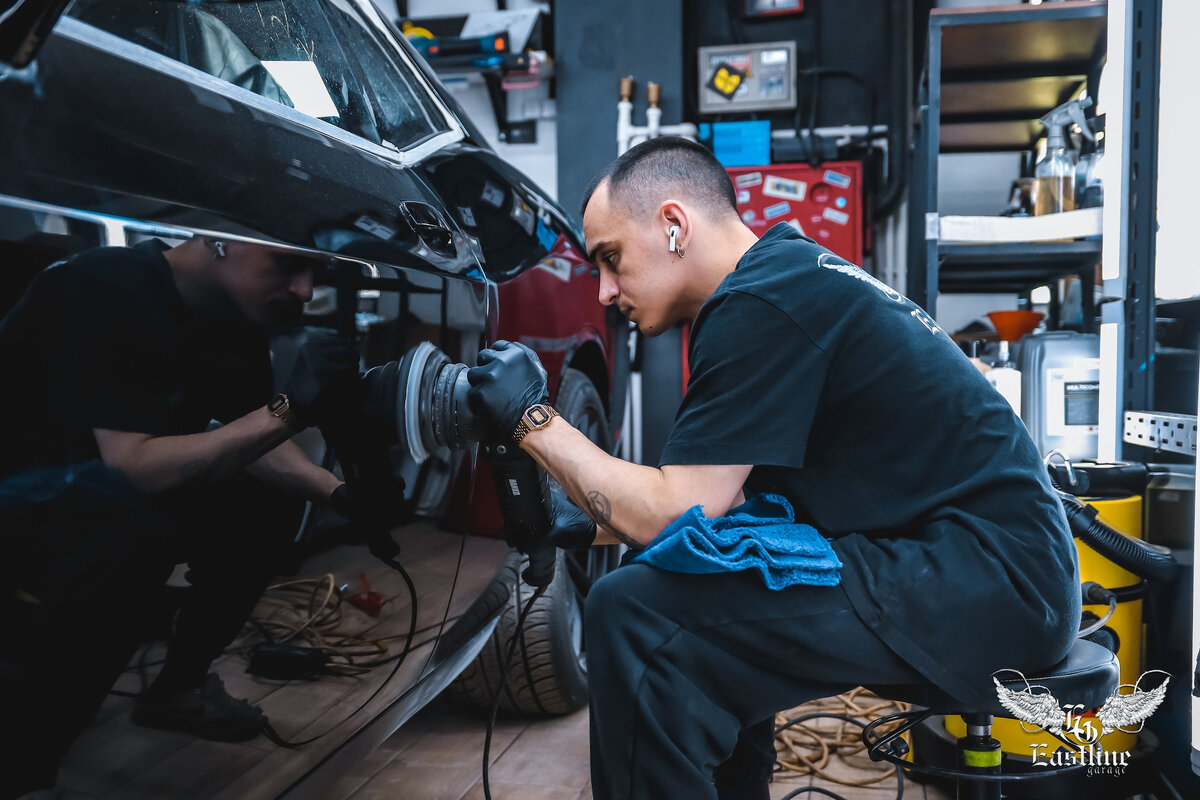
(1125, 515)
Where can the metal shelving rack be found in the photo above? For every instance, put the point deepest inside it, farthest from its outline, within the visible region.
(991, 74)
(1141, 187)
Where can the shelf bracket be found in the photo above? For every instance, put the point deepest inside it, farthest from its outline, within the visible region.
(1173, 433)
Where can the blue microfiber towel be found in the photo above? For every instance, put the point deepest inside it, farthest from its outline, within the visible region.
(760, 534)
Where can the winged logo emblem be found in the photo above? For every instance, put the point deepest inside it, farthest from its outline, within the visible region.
(1121, 711)
(1037, 706)
(1040, 709)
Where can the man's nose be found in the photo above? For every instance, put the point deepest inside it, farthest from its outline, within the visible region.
(302, 285)
(608, 289)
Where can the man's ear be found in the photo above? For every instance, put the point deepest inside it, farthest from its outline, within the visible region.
(214, 247)
(676, 225)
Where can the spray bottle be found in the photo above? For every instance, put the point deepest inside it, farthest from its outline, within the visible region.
(1054, 187)
(1089, 173)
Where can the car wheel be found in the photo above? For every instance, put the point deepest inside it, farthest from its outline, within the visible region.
(549, 670)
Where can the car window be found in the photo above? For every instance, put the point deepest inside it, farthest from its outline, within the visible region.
(319, 57)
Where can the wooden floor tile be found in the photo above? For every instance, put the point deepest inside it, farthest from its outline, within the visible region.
(201, 769)
(419, 781)
(344, 787)
(525, 791)
(550, 752)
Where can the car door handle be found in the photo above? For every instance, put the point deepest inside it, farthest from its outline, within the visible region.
(429, 226)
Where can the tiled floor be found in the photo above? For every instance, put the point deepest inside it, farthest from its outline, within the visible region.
(438, 756)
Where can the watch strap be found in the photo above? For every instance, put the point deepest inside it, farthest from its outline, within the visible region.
(281, 408)
(535, 418)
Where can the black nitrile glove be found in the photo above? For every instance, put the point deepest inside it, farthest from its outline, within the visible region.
(342, 501)
(371, 521)
(324, 382)
(369, 513)
(508, 380)
(572, 528)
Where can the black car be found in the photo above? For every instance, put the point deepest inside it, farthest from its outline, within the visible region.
(313, 126)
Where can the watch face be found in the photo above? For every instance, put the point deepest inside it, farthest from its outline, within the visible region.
(277, 402)
(537, 415)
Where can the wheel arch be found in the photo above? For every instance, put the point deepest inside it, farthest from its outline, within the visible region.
(588, 358)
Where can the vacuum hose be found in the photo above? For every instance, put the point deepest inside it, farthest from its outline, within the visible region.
(1138, 557)
(1105, 637)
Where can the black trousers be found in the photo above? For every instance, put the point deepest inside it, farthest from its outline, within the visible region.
(235, 538)
(84, 558)
(687, 671)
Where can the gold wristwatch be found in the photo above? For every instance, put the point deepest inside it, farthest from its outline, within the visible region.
(281, 407)
(536, 417)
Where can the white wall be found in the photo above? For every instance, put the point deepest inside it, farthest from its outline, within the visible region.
(388, 9)
(970, 3)
(976, 183)
(540, 160)
(447, 8)
(956, 311)
(1176, 271)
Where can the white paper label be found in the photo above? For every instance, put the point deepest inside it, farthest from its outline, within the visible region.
(833, 215)
(777, 210)
(837, 179)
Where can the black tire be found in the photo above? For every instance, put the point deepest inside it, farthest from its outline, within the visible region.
(548, 675)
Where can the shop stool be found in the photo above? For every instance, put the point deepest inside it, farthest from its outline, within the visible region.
(1087, 677)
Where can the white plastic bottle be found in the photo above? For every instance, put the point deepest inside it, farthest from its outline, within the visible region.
(1006, 379)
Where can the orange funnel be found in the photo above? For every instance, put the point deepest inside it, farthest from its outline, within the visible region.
(1012, 325)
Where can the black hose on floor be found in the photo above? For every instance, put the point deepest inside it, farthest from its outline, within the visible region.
(504, 667)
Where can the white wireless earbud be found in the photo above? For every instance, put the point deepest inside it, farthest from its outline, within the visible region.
(672, 231)
(219, 247)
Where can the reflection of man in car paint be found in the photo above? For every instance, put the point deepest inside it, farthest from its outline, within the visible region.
(811, 383)
(144, 430)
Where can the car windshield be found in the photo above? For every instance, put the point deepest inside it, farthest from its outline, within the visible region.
(320, 57)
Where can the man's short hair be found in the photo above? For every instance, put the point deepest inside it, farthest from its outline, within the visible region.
(658, 169)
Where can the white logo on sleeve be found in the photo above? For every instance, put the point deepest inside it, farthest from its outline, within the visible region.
(835, 263)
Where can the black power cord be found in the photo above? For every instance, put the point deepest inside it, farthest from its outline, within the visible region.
(816, 789)
(504, 667)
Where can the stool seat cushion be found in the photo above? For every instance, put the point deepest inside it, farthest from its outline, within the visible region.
(1087, 676)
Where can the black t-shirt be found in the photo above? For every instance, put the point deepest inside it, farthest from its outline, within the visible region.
(104, 340)
(850, 401)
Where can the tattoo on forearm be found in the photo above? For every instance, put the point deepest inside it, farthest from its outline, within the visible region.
(626, 540)
(599, 509)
